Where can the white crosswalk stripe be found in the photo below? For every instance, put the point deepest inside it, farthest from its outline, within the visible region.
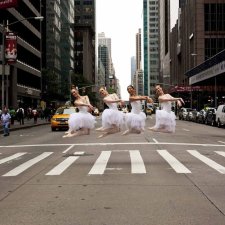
(59, 169)
(207, 161)
(26, 165)
(99, 167)
(137, 164)
(174, 163)
(17, 155)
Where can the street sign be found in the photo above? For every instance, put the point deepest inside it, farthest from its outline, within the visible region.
(4, 4)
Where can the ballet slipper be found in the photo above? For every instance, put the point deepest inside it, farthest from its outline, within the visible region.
(99, 129)
(126, 132)
(103, 135)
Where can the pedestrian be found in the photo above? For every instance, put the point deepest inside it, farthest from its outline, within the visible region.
(5, 120)
(35, 115)
(135, 120)
(112, 118)
(80, 122)
(165, 117)
(12, 113)
(20, 115)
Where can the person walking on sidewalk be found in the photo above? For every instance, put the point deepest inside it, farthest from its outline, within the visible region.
(5, 120)
(20, 115)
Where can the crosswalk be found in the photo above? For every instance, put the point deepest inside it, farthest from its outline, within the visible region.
(98, 165)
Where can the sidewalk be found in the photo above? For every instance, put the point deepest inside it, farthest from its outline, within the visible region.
(27, 124)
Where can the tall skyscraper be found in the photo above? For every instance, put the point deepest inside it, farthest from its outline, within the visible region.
(151, 45)
(164, 26)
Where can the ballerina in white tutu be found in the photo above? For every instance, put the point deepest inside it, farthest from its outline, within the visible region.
(165, 118)
(112, 118)
(135, 120)
(80, 123)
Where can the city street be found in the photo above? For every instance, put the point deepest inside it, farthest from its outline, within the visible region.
(146, 179)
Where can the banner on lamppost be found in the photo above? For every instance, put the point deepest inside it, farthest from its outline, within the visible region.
(4, 4)
(10, 47)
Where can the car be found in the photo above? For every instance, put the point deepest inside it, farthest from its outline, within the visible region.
(201, 116)
(210, 117)
(182, 114)
(60, 119)
(220, 115)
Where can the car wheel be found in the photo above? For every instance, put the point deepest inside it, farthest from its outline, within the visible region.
(53, 129)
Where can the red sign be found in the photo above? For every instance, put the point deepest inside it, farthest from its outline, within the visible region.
(10, 47)
(4, 4)
(185, 89)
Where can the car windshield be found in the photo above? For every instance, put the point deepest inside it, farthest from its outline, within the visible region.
(65, 111)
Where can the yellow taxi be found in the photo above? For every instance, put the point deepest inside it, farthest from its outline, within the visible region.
(60, 119)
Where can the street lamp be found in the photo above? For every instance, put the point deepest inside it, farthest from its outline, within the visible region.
(5, 26)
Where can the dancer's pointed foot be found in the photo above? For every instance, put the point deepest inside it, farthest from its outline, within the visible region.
(102, 135)
(126, 132)
(99, 129)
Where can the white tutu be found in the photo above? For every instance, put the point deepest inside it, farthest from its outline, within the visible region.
(135, 121)
(165, 120)
(136, 118)
(112, 116)
(82, 119)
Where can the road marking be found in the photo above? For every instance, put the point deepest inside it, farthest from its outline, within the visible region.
(107, 144)
(220, 153)
(68, 149)
(137, 163)
(26, 165)
(174, 163)
(17, 155)
(100, 164)
(185, 129)
(60, 168)
(207, 161)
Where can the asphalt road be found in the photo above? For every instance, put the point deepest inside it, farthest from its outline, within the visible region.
(146, 179)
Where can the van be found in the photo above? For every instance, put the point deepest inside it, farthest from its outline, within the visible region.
(220, 115)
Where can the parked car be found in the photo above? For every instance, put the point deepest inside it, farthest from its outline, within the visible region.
(210, 117)
(201, 116)
(190, 115)
(182, 114)
(60, 119)
(195, 115)
(220, 115)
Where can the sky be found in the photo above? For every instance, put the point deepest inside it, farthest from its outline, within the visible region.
(120, 21)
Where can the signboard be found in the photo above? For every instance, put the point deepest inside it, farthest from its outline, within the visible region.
(4, 4)
(10, 48)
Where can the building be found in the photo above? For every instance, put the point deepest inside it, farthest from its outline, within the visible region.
(164, 29)
(151, 45)
(85, 40)
(23, 85)
(57, 49)
(198, 36)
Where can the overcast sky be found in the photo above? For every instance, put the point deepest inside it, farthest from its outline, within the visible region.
(120, 21)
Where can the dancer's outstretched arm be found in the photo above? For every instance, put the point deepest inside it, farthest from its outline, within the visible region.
(169, 98)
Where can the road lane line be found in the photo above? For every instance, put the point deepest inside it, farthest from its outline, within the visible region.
(26, 165)
(68, 149)
(173, 162)
(60, 168)
(137, 163)
(207, 161)
(109, 144)
(220, 153)
(17, 155)
(100, 164)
